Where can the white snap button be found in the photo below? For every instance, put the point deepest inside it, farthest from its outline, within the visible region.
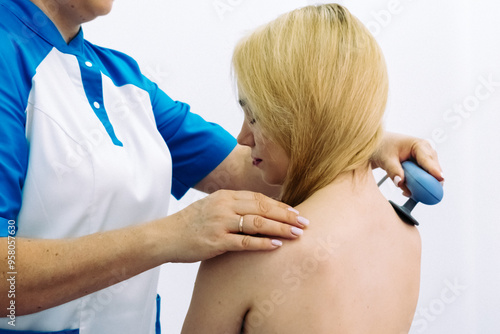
(88, 63)
(97, 105)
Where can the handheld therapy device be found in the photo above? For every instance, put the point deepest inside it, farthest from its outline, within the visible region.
(424, 189)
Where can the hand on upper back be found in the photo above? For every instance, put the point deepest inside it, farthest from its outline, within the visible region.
(212, 226)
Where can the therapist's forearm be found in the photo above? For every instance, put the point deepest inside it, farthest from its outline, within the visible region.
(237, 172)
(53, 272)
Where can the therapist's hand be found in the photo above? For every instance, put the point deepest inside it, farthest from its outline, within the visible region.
(211, 226)
(396, 148)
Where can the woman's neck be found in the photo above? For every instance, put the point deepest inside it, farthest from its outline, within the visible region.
(349, 191)
(351, 182)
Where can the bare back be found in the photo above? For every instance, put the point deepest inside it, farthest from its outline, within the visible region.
(355, 270)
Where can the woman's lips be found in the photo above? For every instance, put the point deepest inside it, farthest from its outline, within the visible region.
(256, 161)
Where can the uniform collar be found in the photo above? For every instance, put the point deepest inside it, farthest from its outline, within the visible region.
(36, 20)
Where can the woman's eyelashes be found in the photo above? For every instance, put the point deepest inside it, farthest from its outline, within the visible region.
(243, 104)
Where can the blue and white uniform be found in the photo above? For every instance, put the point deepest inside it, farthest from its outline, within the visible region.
(89, 144)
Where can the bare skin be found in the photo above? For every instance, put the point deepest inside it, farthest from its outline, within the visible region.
(356, 270)
(69, 15)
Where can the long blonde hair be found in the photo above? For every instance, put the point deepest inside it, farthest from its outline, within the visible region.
(316, 82)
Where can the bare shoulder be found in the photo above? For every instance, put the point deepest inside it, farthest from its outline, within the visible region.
(223, 293)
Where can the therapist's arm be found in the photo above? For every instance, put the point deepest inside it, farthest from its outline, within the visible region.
(53, 272)
(237, 172)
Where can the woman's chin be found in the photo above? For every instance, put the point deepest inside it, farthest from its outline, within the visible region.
(272, 180)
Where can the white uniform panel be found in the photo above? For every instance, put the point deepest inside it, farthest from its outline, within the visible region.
(90, 185)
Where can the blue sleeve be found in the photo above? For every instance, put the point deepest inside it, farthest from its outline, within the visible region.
(196, 146)
(13, 144)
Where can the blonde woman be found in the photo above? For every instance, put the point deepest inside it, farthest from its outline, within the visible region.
(313, 87)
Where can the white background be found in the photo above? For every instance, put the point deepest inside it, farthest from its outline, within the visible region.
(440, 56)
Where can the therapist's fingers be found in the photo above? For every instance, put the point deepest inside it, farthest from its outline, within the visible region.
(396, 173)
(235, 243)
(427, 158)
(231, 221)
(392, 166)
(265, 215)
(393, 149)
(253, 224)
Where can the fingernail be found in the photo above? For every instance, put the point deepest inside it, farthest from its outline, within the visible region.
(303, 221)
(442, 175)
(442, 183)
(396, 180)
(297, 231)
(293, 210)
(276, 242)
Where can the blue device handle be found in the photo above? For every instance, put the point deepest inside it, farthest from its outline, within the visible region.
(423, 186)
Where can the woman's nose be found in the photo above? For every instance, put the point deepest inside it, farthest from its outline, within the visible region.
(246, 136)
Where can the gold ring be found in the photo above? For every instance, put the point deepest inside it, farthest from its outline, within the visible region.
(240, 225)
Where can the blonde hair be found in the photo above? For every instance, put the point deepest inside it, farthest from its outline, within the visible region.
(316, 82)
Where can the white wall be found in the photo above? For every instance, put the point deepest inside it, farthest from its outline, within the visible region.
(440, 56)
